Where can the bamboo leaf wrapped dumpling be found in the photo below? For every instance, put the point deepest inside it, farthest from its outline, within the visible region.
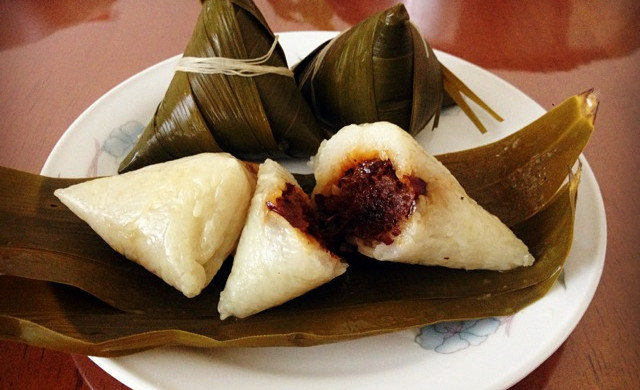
(179, 219)
(279, 256)
(250, 116)
(376, 186)
(379, 70)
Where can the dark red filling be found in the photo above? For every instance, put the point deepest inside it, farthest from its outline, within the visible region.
(295, 207)
(370, 203)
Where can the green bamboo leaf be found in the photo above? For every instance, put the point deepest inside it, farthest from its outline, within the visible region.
(250, 117)
(379, 70)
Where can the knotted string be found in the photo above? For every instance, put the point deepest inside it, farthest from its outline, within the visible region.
(249, 67)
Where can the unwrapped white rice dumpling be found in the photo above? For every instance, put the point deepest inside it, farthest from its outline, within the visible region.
(179, 219)
(278, 257)
(376, 186)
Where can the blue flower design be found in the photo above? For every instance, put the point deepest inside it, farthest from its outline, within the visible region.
(122, 139)
(450, 337)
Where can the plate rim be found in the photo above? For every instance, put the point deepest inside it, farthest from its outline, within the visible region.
(114, 368)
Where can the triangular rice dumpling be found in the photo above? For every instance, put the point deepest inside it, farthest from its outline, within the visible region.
(376, 186)
(378, 70)
(250, 116)
(278, 257)
(179, 219)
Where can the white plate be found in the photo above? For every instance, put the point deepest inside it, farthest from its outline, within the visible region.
(489, 354)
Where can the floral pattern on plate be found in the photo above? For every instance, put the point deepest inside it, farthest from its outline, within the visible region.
(115, 147)
(454, 336)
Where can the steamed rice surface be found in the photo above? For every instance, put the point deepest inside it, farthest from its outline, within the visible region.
(179, 219)
(274, 262)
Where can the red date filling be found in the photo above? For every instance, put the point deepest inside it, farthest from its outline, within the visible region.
(369, 202)
(295, 207)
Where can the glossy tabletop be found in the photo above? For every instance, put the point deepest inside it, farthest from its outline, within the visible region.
(58, 57)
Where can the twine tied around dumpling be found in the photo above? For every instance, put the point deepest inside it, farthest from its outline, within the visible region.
(249, 67)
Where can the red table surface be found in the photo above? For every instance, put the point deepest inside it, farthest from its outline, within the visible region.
(58, 57)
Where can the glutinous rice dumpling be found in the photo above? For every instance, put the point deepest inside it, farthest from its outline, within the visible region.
(376, 186)
(179, 219)
(279, 256)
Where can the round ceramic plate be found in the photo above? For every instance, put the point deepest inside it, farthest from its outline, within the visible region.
(491, 353)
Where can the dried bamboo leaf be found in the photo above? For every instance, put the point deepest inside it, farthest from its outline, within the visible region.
(73, 323)
(397, 77)
(250, 117)
(375, 297)
(516, 176)
(455, 88)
